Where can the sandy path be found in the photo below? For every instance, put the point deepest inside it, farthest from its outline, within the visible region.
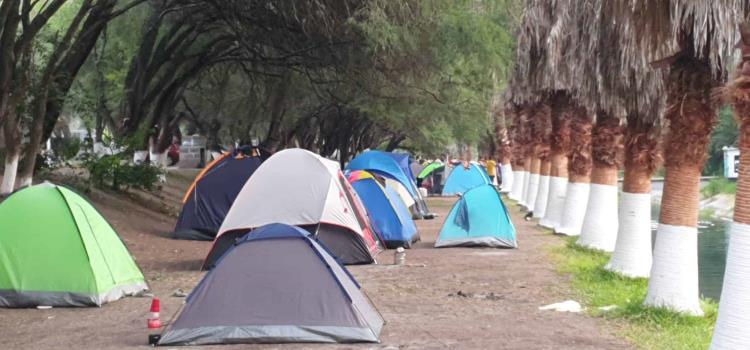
(418, 301)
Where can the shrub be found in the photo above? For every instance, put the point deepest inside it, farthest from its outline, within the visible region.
(116, 172)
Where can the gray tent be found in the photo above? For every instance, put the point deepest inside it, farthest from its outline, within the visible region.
(276, 285)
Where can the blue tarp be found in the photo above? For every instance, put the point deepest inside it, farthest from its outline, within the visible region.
(213, 195)
(387, 212)
(479, 218)
(462, 179)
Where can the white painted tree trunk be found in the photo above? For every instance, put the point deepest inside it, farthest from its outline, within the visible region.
(674, 274)
(524, 188)
(9, 175)
(25, 181)
(732, 329)
(632, 255)
(139, 156)
(532, 191)
(516, 190)
(158, 159)
(599, 230)
(555, 202)
(576, 201)
(506, 176)
(540, 204)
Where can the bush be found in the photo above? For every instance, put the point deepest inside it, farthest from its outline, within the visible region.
(116, 172)
(718, 186)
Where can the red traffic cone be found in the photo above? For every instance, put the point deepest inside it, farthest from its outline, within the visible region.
(154, 322)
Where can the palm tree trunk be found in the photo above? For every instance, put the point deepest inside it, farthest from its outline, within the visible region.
(504, 151)
(599, 230)
(526, 178)
(632, 255)
(519, 176)
(520, 164)
(674, 274)
(579, 179)
(540, 204)
(560, 104)
(733, 322)
(533, 186)
(558, 183)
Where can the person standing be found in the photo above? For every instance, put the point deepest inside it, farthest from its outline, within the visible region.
(491, 166)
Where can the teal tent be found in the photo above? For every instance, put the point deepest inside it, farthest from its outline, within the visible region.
(462, 179)
(479, 218)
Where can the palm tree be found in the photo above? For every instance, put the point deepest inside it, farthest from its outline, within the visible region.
(732, 325)
(599, 230)
(693, 39)
(579, 174)
(642, 92)
(544, 134)
(538, 119)
(504, 147)
(560, 103)
(518, 131)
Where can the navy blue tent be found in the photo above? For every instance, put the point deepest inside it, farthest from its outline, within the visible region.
(209, 198)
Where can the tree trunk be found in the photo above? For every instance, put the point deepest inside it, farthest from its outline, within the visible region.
(579, 178)
(12, 137)
(599, 230)
(504, 151)
(558, 183)
(733, 321)
(276, 108)
(34, 145)
(674, 274)
(560, 109)
(528, 174)
(632, 255)
(540, 204)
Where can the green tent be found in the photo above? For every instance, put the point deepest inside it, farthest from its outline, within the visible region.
(57, 250)
(428, 170)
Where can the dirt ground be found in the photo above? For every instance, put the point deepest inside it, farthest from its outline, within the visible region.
(496, 309)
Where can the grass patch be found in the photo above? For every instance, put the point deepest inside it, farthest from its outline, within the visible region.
(719, 185)
(647, 328)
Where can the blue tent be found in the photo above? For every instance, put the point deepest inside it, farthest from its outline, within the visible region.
(479, 218)
(383, 164)
(388, 213)
(209, 198)
(395, 166)
(404, 162)
(462, 179)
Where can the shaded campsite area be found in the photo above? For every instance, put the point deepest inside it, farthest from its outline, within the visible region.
(441, 298)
